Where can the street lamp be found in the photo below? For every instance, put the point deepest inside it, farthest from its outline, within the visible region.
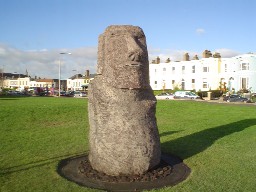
(63, 53)
(76, 83)
(2, 70)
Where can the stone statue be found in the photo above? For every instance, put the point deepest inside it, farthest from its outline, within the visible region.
(123, 136)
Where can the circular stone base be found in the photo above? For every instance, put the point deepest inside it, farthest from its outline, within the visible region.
(170, 172)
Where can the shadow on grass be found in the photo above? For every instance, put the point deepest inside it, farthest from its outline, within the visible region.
(168, 133)
(34, 164)
(8, 99)
(184, 147)
(195, 143)
(13, 97)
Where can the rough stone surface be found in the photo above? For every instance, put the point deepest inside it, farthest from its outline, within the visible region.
(123, 135)
(160, 172)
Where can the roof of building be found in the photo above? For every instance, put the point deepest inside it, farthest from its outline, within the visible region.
(13, 75)
(44, 80)
(80, 76)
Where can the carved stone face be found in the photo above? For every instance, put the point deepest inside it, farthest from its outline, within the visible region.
(123, 57)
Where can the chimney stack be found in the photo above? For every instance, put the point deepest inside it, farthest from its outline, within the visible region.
(216, 55)
(195, 57)
(207, 54)
(87, 73)
(157, 60)
(186, 57)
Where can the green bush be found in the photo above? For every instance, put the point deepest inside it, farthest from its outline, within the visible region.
(215, 93)
(4, 91)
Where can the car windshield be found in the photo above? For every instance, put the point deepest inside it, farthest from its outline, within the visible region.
(190, 94)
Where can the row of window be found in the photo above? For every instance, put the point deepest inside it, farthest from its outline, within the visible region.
(243, 82)
(243, 67)
(205, 69)
(18, 83)
(193, 81)
(42, 85)
(76, 84)
(85, 81)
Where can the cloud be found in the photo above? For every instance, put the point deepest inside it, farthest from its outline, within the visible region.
(164, 54)
(226, 53)
(2, 51)
(200, 31)
(177, 55)
(45, 63)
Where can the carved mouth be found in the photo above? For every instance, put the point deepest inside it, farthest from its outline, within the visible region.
(134, 64)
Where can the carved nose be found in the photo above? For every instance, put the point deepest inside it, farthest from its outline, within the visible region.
(134, 50)
(134, 56)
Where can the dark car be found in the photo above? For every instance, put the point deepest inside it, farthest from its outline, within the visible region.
(235, 98)
(63, 93)
(70, 93)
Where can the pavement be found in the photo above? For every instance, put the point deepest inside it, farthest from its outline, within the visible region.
(220, 101)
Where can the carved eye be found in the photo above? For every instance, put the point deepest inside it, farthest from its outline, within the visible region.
(141, 39)
(112, 34)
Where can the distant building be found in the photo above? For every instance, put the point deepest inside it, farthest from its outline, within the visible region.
(15, 81)
(208, 73)
(22, 82)
(79, 81)
(44, 83)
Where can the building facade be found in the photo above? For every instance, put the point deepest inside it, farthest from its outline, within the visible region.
(15, 81)
(79, 82)
(209, 73)
(21, 82)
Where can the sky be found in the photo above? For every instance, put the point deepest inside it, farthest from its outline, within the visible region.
(34, 32)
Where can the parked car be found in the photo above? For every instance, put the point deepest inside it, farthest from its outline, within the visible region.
(165, 96)
(79, 94)
(70, 93)
(235, 98)
(44, 93)
(83, 94)
(15, 93)
(62, 93)
(185, 95)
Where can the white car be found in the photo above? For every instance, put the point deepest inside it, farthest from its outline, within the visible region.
(185, 95)
(79, 94)
(82, 94)
(164, 96)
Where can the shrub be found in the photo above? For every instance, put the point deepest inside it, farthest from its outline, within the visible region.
(215, 93)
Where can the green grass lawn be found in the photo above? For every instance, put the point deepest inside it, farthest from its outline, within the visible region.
(217, 141)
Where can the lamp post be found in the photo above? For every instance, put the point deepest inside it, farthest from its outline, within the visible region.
(2, 77)
(63, 53)
(76, 82)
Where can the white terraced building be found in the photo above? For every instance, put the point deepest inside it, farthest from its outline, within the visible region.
(208, 73)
